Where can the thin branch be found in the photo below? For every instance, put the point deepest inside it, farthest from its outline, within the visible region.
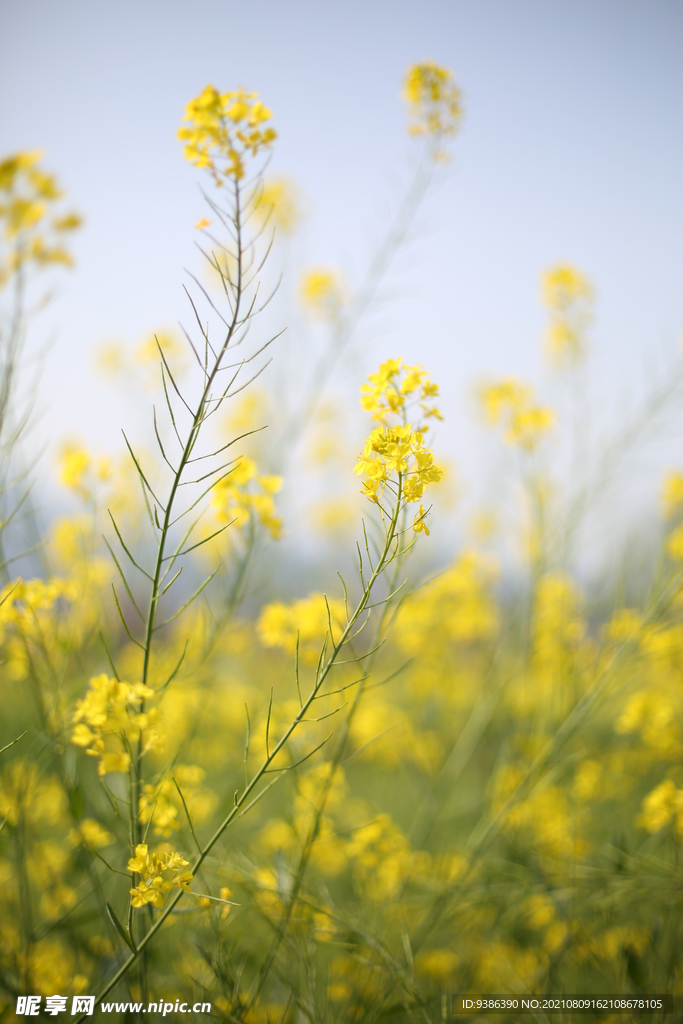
(196, 594)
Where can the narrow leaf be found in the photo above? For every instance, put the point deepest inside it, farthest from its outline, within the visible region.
(120, 929)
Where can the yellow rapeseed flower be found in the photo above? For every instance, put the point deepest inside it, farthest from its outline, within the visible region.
(152, 867)
(419, 524)
(90, 833)
(510, 402)
(111, 710)
(306, 621)
(434, 102)
(278, 203)
(246, 496)
(672, 494)
(175, 354)
(29, 224)
(322, 293)
(528, 425)
(223, 129)
(75, 463)
(503, 398)
(662, 806)
(398, 450)
(569, 296)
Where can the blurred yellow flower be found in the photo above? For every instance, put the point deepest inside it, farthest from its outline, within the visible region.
(174, 352)
(322, 293)
(458, 606)
(528, 425)
(662, 806)
(483, 524)
(333, 515)
(33, 233)
(304, 621)
(434, 102)
(672, 494)
(438, 964)
(161, 803)
(90, 833)
(279, 205)
(569, 296)
(75, 464)
(509, 402)
(245, 496)
(110, 358)
(248, 410)
(587, 780)
(504, 397)
(674, 544)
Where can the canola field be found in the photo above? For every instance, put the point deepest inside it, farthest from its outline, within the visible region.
(359, 803)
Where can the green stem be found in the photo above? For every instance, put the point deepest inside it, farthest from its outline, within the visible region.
(192, 438)
(265, 766)
(334, 765)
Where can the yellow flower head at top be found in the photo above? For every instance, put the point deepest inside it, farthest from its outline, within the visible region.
(393, 386)
(434, 102)
(398, 450)
(568, 296)
(222, 129)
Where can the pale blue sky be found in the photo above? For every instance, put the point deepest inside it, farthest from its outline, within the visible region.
(572, 149)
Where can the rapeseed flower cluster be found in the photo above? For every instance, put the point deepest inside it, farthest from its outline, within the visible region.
(81, 473)
(32, 229)
(663, 806)
(322, 293)
(434, 101)
(152, 868)
(383, 860)
(223, 129)
(244, 497)
(401, 452)
(112, 710)
(304, 623)
(398, 451)
(568, 296)
(279, 205)
(458, 608)
(476, 795)
(396, 387)
(162, 805)
(23, 603)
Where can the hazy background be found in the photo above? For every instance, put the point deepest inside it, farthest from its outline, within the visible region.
(571, 150)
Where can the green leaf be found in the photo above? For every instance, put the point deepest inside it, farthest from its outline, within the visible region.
(120, 929)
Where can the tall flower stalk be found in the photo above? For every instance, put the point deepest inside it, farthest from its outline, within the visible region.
(118, 722)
